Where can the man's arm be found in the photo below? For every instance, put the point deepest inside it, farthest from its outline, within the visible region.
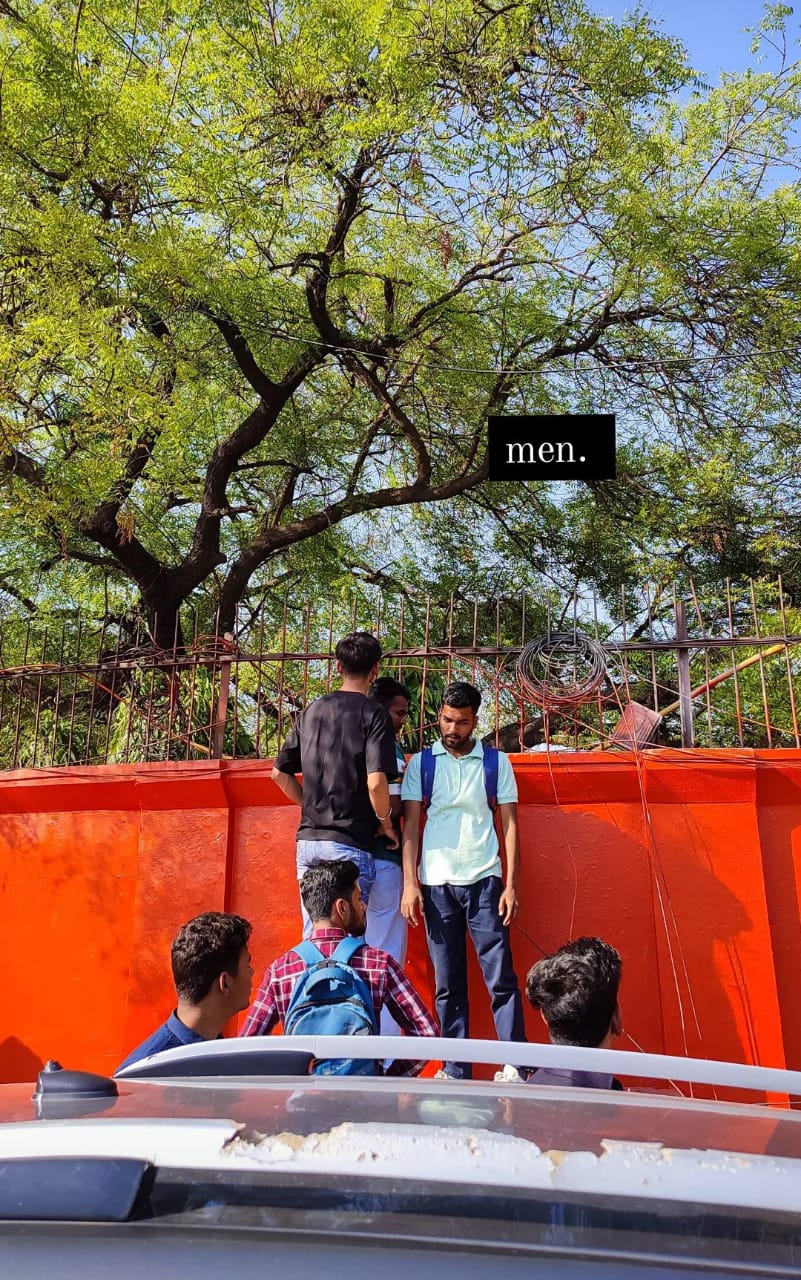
(288, 783)
(378, 788)
(288, 764)
(263, 1014)
(412, 899)
(407, 1008)
(379, 750)
(508, 905)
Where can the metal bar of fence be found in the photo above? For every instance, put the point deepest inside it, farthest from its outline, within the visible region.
(15, 753)
(763, 686)
(218, 736)
(235, 725)
(424, 678)
(39, 702)
(737, 703)
(190, 716)
(110, 712)
(57, 699)
(790, 686)
(258, 691)
(685, 686)
(281, 680)
(75, 687)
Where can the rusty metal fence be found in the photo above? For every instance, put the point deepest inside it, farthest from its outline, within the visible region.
(668, 665)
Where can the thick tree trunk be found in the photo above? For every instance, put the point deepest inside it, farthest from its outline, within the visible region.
(163, 612)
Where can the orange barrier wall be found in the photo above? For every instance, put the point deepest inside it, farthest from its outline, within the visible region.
(687, 862)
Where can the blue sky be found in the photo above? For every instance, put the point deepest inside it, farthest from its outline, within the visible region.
(711, 30)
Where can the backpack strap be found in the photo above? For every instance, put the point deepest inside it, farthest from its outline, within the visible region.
(491, 776)
(428, 764)
(346, 949)
(308, 952)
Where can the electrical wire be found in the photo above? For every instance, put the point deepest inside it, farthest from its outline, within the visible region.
(612, 362)
(544, 670)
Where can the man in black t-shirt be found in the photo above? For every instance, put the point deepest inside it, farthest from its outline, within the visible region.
(344, 745)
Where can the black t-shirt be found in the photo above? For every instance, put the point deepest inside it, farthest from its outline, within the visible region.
(335, 743)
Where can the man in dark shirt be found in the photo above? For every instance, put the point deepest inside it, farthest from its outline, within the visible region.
(213, 975)
(576, 991)
(344, 745)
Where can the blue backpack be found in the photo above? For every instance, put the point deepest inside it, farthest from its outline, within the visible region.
(331, 999)
(428, 765)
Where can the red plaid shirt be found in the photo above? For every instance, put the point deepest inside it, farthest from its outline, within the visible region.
(388, 986)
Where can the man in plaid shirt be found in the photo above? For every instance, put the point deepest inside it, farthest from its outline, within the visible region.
(333, 899)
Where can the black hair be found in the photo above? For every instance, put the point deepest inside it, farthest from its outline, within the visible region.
(576, 989)
(385, 690)
(462, 694)
(358, 653)
(206, 947)
(324, 882)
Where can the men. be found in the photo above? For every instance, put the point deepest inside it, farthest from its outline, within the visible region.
(332, 896)
(344, 745)
(386, 927)
(460, 888)
(213, 974)
(576, 991)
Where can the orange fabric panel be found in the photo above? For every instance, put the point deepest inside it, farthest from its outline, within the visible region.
(688, 862)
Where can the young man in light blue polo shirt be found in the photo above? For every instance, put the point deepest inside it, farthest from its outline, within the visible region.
(461, 889)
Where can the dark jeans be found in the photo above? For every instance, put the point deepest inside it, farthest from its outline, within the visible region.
(451, 910)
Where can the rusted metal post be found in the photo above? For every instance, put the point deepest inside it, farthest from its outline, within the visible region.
(218, 735)
(685, 686)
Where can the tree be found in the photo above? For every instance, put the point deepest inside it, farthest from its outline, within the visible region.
(268, 267)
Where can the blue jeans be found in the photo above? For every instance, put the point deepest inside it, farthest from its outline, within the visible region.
(386, 927)
(451, 911)
(309, 851)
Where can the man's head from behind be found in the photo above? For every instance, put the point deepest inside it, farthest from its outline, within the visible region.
(211, 961)
(358, 654)
(576, 990)
(331, 895)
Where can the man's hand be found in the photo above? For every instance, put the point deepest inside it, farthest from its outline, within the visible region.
(411, 902)
(508, 905)
(387, 830)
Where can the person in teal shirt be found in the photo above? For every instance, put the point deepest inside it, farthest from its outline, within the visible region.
(386, 927)
(462, 887)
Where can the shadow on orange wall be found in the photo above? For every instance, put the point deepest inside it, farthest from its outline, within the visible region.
(17, 1062)
(684, 862)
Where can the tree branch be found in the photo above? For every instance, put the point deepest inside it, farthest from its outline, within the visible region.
(19, 464)
(394, 411)
(239, 347)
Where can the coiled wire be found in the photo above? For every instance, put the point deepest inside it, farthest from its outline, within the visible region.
(561, 671)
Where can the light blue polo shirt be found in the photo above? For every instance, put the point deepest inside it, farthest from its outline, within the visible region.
(460, 845)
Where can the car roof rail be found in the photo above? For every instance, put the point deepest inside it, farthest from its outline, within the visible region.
(235, 1060)
(243, 1056)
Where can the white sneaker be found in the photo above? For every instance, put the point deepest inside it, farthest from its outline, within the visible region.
(509, 1075)
(441, 1075)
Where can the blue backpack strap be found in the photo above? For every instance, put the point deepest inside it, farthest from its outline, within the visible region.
(308, 952)
(346, 949)
(428, 764)
(491, 776)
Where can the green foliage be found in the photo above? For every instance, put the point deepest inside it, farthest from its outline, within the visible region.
(267, 268)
